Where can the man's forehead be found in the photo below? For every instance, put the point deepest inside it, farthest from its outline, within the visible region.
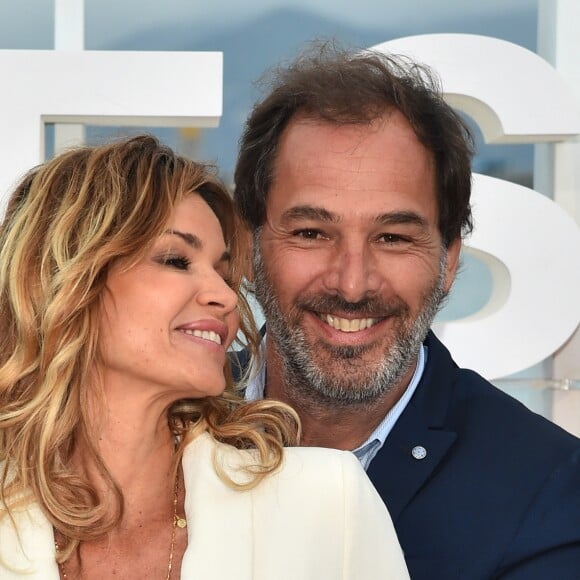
(306, 139)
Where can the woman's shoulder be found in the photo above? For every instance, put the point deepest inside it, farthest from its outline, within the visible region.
(302, 467)
(318, 513)
(206, 443)
(341, 468)
(26, 542)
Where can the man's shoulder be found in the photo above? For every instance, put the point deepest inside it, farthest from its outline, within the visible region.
(475, 405)
(478, 404)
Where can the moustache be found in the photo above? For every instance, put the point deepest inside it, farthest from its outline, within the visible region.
(366, 308)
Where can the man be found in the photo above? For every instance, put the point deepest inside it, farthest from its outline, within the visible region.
(354, 177)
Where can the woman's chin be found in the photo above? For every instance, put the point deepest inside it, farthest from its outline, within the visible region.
(213, 389)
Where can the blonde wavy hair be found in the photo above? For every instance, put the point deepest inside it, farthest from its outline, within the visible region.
(66, 224)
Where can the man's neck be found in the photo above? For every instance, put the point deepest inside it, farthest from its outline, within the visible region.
(339, 428)
(324, 425)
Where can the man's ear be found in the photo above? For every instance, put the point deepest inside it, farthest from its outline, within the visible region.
(453, 254)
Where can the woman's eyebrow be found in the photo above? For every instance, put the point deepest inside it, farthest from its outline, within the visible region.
(190, 239)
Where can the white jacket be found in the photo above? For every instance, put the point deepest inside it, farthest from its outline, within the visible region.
(317, 518)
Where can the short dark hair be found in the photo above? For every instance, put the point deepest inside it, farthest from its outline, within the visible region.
(356, 87)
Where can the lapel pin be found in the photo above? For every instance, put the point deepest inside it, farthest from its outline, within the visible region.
(419, 452)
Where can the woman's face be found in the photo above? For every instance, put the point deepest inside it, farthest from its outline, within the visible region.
(168, 320)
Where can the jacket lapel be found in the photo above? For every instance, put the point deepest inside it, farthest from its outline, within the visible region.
(217, 515)
(30, 553)
(419, 440)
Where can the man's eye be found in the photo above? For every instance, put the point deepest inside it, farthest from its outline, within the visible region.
(393, 239)
(308, 234)
(177, 262)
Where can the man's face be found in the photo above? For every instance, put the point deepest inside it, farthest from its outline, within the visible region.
(349, 265)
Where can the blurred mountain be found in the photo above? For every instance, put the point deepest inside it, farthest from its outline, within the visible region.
(255, 46)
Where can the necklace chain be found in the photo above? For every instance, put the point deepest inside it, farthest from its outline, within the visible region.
(177, 522)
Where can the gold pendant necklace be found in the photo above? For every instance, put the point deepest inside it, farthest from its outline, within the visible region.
(177, 522)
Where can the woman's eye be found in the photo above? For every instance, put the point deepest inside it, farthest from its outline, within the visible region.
(229, 281)
(177, 262)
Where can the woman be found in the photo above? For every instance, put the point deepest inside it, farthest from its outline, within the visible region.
(121, 453)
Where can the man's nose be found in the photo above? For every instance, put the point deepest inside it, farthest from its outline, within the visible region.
(352, 272)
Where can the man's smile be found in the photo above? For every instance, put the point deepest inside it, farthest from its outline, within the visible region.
(348, 324)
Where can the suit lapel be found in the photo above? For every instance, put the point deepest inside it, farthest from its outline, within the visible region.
(419, 439)
(396, 473)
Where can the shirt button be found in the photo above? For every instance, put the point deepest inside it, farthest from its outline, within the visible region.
(419, 452)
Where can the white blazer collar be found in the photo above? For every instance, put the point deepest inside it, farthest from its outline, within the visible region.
(32, 550)
(219, 519)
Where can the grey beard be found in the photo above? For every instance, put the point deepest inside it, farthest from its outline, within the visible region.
(351, 381)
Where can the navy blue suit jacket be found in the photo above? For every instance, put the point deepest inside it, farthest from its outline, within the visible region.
(497, 495)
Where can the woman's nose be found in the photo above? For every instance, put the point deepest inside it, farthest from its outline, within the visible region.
(216, 292)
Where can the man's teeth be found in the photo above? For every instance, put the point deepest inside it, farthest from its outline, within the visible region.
(347, 325)
(205, 334)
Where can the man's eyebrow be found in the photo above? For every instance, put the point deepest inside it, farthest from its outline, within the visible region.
(195, 242)
(309, 212)
(401, 218)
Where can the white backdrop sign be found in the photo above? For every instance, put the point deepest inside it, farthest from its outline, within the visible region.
(162, 89)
